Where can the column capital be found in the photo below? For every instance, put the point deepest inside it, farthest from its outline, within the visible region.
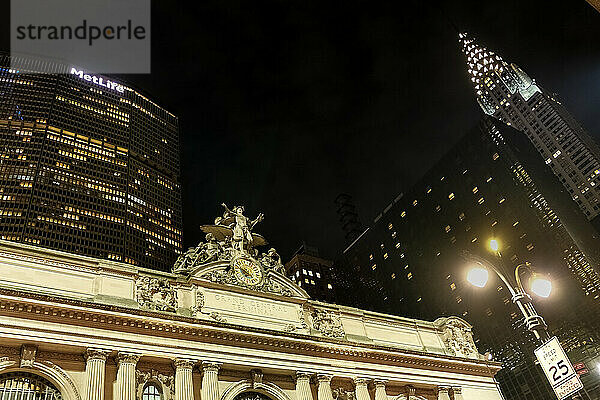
(184, 363)
(444, 389)
(380, 383)
(361, 381)
(303, 375)
(457, 389)
(127, 358)
(96, 354)
(325, 378)
(210, 366)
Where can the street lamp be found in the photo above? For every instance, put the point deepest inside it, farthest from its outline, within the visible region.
(478, 276)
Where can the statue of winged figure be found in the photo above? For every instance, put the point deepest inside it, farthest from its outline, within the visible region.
(242, 228)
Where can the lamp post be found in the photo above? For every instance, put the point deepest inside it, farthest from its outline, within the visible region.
(478, 276)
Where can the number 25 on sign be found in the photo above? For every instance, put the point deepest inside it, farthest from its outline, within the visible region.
(558, 369)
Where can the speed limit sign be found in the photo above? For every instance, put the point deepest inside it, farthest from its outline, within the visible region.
(558, 369)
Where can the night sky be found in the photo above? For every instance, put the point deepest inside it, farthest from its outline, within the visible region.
(283, 105)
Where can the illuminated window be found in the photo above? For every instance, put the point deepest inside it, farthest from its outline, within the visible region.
(371, 257)
(438, 208)
(409, 276)
(458, 299)
(453, 286)
(403, 214)
(488, 180)
(385, 256)
(495, 156)
(475, 189)
(447, 228)
(451, 196)
(502, 200)
(415, 203)
(151, 392)
(481, 200)
(428, 190)
(461, 216)
(329, 286)
(373, 267)
(390, 226)
(516, 223)
(318, 275)
(393, 276)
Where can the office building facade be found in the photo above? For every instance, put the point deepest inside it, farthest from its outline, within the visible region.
(507, 93)
(88, 165)
(413, 259)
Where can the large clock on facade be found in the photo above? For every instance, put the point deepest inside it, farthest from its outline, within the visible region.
(247, 271)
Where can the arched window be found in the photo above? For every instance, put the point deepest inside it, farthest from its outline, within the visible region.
(23, 385)
(251, 396)
(151, 392)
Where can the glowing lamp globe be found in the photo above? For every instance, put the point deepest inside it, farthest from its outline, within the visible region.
(541, 286)
(477, 276)
(494, 245)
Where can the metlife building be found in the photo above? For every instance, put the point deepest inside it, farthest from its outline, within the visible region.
(87, 165)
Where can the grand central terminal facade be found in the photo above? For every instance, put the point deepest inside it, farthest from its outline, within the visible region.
(225, 324)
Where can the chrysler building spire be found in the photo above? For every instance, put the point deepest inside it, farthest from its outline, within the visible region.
(479, 60)
(507, 93)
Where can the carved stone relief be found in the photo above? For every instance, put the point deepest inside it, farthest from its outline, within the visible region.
(458, 338)
(328, 323)
(155, 294)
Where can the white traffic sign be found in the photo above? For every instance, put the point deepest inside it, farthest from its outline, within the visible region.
(558, 369)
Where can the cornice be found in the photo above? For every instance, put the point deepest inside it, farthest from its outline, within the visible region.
(94, 315)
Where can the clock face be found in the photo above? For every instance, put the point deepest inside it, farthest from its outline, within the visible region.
(247, 271)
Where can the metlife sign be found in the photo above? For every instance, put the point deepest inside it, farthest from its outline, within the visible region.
(558, 369)
(98, 80)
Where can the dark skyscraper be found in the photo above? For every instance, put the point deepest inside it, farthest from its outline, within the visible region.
(87, 165)
(411, 260)
(507, 93)
(312, 272)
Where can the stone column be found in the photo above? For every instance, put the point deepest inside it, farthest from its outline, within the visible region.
(443, 393)
(126, 376)
(324, 387)
(210, 381)
(457, 393)
(411, 393)
(361, 390)
(303, 391)
(380, 393)
(95, 363)
(184, 389)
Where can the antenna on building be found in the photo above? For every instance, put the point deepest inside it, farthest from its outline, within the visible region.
(348, 217)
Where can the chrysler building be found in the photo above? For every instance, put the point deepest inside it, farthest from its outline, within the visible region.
(507, 93)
